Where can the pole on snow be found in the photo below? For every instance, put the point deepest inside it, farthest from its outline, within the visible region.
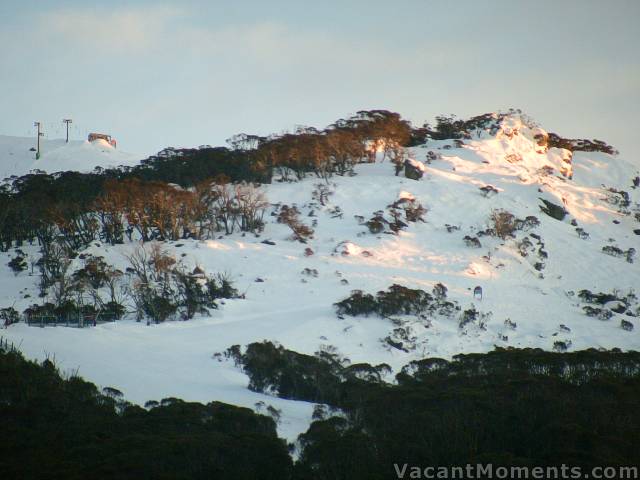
(40, 134)
(67, 121)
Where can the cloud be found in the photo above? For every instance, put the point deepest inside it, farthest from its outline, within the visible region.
(172, 37)
(122, 30)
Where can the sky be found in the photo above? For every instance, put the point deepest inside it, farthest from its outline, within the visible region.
(189, 73)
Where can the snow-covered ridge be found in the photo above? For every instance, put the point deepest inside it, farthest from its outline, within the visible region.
(530, 283)
(17, 157)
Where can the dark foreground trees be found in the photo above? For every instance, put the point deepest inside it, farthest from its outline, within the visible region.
(52, 427)
(508, 407)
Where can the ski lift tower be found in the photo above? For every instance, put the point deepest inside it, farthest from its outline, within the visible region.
(67, 121)
(40, 134)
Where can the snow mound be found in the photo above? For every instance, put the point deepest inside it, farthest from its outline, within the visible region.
(403, 195)
(17, 157)
(102, 144)
(348, 248)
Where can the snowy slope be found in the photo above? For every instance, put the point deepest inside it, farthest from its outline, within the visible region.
(16, 158)
(295, 308)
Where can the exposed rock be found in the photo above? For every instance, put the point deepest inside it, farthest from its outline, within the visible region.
(413, 169)
(553, 210)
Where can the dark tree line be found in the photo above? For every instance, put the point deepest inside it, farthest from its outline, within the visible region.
(509, 407)
(169, 195)
(79, 207)
(66, 428)
(334, 150)
(581, 144)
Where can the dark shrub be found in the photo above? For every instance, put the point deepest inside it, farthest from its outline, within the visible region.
(626, 325)
(439, 291)
(358, 303)
(9, 316)
(399, 300)
(561, 346)
(377, 223)
(290, 216)
(402, 300)
(488, 190)
(599, 298)
(18, 264)
(95, 272)
(159, 308)
(582, 234)
(503, 223)
(472, 242)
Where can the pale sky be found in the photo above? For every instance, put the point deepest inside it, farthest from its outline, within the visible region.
(188, 73)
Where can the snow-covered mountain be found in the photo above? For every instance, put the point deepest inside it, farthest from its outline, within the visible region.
(530, 282)
(18, 158)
